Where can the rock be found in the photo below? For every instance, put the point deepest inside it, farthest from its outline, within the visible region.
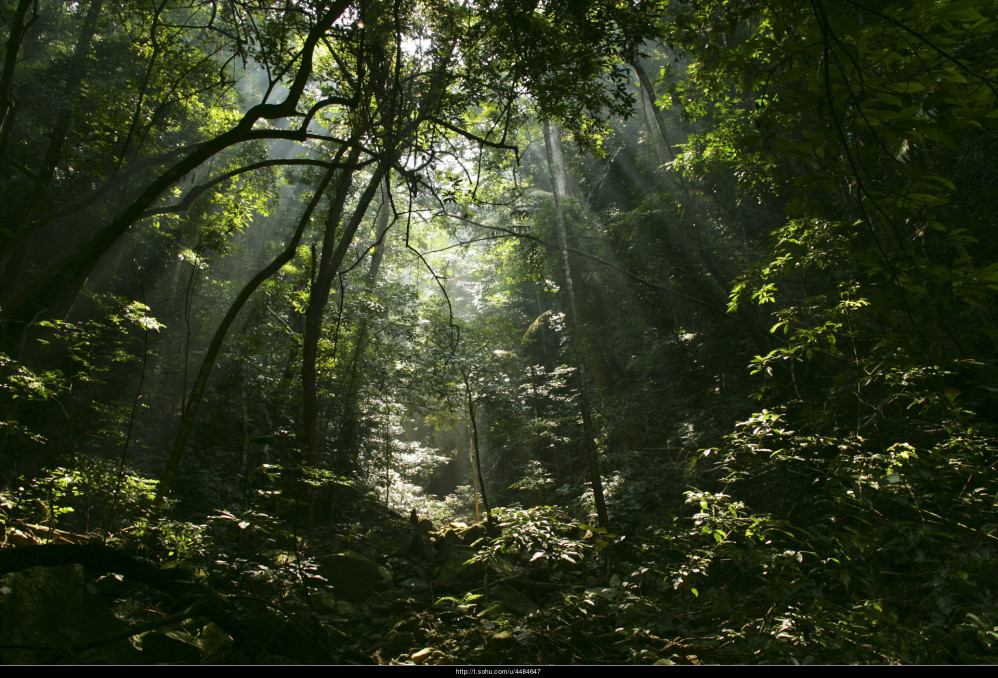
(215, 642)
(502, 640)
(415, 583)
(461, 533)
(170, 647)
(498, 648)
(446, 539)
(473, 534)
(456, 570)
(56, 607)
(396, 543)
(396, 642)
(354, 577)
(513, 600)
(324, 601)
(421, 656)
(420, 547)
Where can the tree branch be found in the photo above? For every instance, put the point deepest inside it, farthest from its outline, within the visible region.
(474, 137)
(603, 262)
(195, 192)
(58, 286)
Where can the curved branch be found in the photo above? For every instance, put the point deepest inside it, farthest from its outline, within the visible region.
(197, 191)
(18, 27)
(474, 137)
(318, 106)
(58, 287)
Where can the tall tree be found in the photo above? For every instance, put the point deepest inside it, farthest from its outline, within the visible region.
(556, 167)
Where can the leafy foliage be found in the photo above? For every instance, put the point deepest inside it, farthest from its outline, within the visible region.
(779, 238)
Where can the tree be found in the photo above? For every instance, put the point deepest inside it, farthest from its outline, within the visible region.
(556, 166)
(51, 291)
(852, 124)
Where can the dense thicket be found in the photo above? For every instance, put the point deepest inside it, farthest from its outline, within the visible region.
(694, 301)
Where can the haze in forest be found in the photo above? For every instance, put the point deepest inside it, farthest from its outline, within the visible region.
(508, 332)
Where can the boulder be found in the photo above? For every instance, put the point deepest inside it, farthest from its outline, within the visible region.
(513, 600)
(214, 641)
(473, 534)
(49, 610)
(405, 635)
(170, 647)
(420, 546)
(498, 649)
(455, 568)
(421, 656)
(396, 643)
(461, 533)
(354, 577)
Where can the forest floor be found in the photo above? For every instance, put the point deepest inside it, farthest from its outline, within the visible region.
(533, 587)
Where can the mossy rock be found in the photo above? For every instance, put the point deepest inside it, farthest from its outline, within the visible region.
(513, 600)
(170, 647)
(396, 643)
(354, 577)
(214, 641)
(455, 568)
(498, 648)
(57, 608)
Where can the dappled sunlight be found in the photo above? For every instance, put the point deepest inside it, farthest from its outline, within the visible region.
(492, 333)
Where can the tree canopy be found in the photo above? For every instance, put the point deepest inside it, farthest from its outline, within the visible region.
(669, 326)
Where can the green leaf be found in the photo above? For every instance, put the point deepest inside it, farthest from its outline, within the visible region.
(906, 87)
(886, 97)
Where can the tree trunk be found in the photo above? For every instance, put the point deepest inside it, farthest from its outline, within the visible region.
(653, 114)
(330, 263)
(538, 442)
(556, 167)
(349, 438)
(472, 407)
(208, 362)
(318, 296)
(18, 27)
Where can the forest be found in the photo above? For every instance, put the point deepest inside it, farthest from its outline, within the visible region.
(498, 332)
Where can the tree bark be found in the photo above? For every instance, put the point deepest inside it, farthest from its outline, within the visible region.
(654, 115)
(348, 436)
(472, 407)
